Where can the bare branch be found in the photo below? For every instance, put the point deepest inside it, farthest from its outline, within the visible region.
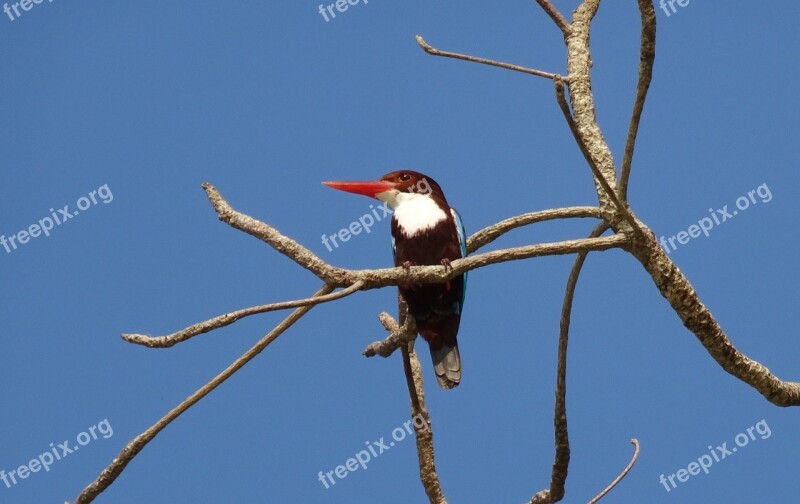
(508, 66)
(136, 445)
(398, 336)
(671, 282)
(403, 336)
(680, 294)
(607, 190)
(377, 278)
(424, 435)
(646, 58)
(586, 129)
(558, 476)
(635, 443)
(266, 233)
(491, 233)
(556, 16)
(229, 318)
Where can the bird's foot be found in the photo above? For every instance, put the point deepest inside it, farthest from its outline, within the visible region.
(446, 263)
(407, 266)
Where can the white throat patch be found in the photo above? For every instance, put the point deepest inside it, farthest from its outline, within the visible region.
(414, 212)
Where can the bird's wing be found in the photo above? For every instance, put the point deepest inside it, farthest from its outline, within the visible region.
(462, 242)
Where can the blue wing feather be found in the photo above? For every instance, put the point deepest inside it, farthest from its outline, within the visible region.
(462, 241)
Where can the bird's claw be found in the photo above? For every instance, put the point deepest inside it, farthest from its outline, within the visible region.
(407, 266)
(446, 263)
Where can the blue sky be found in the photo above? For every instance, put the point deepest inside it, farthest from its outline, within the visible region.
(142, 102)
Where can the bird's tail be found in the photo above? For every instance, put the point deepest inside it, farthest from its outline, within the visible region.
(447, 365)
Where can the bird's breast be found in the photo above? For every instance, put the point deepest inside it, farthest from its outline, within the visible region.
(418, 215)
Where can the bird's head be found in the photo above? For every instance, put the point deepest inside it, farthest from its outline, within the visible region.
(393, 188)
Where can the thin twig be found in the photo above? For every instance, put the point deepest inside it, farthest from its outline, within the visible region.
(416, 407)
(624, 472)
(556, 16)
(491, 233)
(508, 66)
(622, 209)
(229, 318)
(268, 234)
(558, 476)
(136, 445)
(647, 56)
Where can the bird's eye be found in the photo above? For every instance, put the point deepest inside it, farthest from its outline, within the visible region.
(405, 177)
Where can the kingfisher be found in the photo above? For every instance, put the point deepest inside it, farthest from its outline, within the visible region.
(425, 231)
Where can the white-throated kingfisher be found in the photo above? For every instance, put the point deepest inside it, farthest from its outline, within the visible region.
(425, 231)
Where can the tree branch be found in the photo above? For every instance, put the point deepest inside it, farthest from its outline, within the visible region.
(579, 63)
(403, 336)
(508, 66)
(377, 278)
(646, 58)
(556, 16)
(680, 294)
(136, 445)
(398, 336)
(424, 436)
(558, 476)
(635, 443)
(229, 318)
(489, 234)
(607, 191)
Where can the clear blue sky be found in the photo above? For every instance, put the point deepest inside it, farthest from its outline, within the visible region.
(142, 102)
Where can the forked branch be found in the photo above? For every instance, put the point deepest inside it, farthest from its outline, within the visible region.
(136, 445)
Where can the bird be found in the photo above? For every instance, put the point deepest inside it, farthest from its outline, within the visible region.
(425, 231)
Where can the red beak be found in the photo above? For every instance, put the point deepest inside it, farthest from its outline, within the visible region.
(367, 188)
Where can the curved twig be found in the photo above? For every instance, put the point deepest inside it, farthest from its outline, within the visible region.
(635, 443)
(229, 318)
(489, 234)
(558, 476)
(136, 445)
